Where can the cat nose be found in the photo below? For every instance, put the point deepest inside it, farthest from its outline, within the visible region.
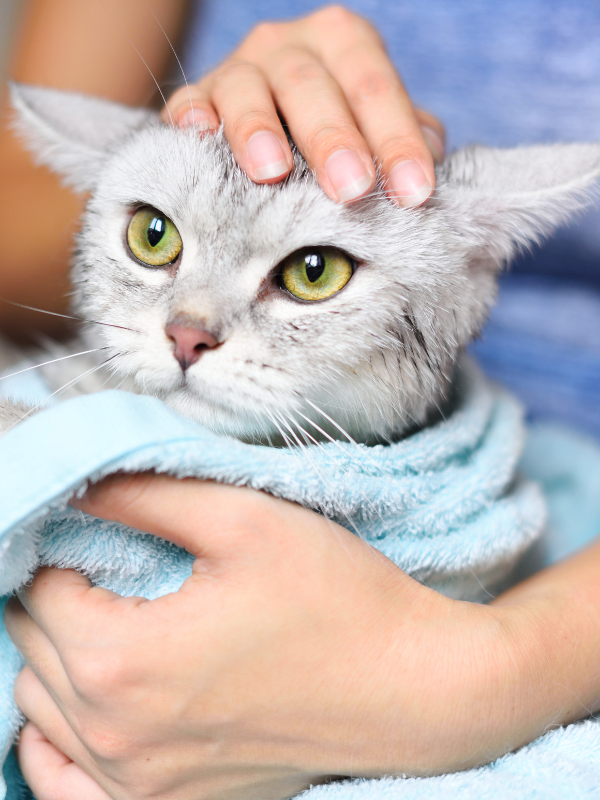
(190, 343)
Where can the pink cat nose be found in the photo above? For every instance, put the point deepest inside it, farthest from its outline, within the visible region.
(189, 343)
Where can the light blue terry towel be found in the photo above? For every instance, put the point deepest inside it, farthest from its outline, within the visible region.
(445, 505)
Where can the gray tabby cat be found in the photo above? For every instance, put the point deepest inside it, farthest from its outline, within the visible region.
(259, 309)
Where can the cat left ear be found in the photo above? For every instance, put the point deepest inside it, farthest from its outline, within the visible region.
(72, 133)
(500, 201)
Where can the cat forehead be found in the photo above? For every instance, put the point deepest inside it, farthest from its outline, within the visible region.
(195, 180)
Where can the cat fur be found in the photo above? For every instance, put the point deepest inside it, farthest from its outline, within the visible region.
(376, 359)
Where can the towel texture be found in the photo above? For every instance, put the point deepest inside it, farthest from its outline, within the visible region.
(446, 505)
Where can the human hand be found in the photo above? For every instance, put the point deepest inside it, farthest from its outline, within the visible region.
(294, 651)
(345, 105)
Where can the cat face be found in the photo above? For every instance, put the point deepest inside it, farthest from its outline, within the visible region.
(267, 311)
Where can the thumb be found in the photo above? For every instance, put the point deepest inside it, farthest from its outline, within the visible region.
(201, 516)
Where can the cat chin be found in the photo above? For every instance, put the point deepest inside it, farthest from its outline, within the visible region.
(219, 419)
(256, 425)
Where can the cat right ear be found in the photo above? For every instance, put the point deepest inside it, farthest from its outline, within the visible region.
(500, 201)
(71, 133)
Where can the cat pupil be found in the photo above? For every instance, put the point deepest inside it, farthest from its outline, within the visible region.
(156, 231)
(315, 266)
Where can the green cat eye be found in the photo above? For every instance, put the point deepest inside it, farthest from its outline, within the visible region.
(316, 272)
(152, 237)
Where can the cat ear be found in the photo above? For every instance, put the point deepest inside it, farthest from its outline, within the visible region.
(500, 201)
(72, 133)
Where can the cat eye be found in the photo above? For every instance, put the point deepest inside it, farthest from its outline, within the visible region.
(316, 273)
(152, 237)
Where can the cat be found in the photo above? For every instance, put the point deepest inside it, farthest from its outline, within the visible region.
(259, 311)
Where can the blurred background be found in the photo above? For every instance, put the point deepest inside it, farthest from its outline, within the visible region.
(9, 14)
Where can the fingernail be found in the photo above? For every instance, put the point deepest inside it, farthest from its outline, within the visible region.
(196, 117)
(348, 175)
(267, 157)
(408, 184)
(434, 142)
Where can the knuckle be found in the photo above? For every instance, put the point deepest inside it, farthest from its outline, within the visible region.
(396, 148)
(266, 34)
(105, 744)
(298, 68)
(235, 70)
(344, 22)
(328, 138)
(96, 677)
(372, 85)
(336, 14)
(248, 122)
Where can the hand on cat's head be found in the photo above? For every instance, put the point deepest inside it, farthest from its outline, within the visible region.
(329, 75)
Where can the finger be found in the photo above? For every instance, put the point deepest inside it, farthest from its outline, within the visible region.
(35, 646)
(202, 516)
(433, 133)
(49, 773)
(321, 123)
(244, 102)
(189, 106)
(384, 114)
(39, 707)
(352, 50)
(70, 612)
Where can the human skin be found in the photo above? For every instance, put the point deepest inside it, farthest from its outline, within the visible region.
(294, 651)
(97, 48)
(345, 105)
(76, 45)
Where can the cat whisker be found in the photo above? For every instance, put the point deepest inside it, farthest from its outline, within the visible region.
(306, 450)
(332, 421)
(111, 376)
(366, 499)
(70, 383)
(174, 53)
(307, 436)
(281, 433)
(53, 361)
(68, 316)
(153, 78)
(432, 545)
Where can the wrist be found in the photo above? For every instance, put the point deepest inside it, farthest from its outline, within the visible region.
(551, 640)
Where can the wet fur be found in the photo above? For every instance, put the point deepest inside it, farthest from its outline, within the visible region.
(376, 359)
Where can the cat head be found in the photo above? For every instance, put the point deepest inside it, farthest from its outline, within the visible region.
(272, 310)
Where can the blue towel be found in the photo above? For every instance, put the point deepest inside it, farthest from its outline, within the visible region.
(444, 504)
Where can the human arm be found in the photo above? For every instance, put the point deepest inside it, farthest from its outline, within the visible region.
(79, 45)
(295, 651)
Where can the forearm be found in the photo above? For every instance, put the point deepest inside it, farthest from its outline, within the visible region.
(499, 675)
(85, 46)
(554, 631)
